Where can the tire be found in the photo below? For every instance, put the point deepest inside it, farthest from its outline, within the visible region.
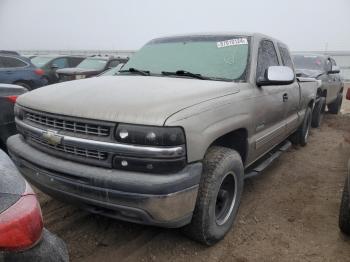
(317, 113)
(334, 107)
(219, 196)
(300, 137)
(25, 85)
(344, 214)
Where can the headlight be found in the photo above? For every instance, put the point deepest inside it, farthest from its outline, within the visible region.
(18, 112)
(150, 135)
(77, 77)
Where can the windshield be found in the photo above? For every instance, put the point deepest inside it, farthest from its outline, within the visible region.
(311, 62)
(92, 63)
(40, 61)
(224, 57)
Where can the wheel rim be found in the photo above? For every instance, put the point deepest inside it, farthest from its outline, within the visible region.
(226, 198)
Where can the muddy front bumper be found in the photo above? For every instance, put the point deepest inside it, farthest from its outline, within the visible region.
(166, 200)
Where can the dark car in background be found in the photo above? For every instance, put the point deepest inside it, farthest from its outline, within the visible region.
(8, 96)
(22, 235)
(19, 70)
(51, 63)
(325, 69)
(89, 67)
(9, 52)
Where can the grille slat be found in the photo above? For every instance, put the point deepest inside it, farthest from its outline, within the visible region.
(70, 126)
(80, 152)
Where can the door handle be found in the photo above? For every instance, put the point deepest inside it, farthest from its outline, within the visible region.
(285, 97)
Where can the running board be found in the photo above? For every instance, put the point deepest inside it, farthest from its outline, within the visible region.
(272, 156)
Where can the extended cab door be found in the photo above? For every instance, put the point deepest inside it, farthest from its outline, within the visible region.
(292, 99)
(270, 105)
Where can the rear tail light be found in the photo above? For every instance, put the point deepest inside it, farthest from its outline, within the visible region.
(348, 94)
(12, 99)
(21, 225)
(39, 72)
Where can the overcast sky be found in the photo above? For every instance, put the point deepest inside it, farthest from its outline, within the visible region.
(128, 24)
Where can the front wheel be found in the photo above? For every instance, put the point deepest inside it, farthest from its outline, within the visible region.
(317, 113)
(344, 214)
(334, 107)
(219, 196)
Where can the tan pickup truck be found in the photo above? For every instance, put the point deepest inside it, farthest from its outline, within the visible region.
(170, 140)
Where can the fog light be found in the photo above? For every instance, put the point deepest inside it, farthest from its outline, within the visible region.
(123, 134)
(124, 163)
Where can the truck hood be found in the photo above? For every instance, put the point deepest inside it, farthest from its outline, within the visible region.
(130, 99)
(309, 73)
(77, 71)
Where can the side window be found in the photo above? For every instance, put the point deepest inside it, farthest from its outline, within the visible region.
(113, 63)
(286, 59)
(333, 62)
(60, 62)
(12, 62)
(267, 57)
(74, 61)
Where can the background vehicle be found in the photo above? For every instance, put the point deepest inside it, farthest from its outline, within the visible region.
(19, 70)
(169, 141)
(22, 236)
(50, 63)
(8, 96)
(323, 68)
(7, 52)
(91, 66)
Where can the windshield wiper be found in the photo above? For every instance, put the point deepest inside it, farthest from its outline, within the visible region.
(185, 73)
(137, 71)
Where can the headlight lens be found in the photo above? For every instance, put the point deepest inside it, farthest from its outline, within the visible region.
(77, 77)
(150, 135)
(18, 112)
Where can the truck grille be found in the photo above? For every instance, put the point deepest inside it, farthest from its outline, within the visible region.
(72, 150)
(70, 126)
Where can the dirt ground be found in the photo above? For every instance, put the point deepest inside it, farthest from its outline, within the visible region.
(290, 213)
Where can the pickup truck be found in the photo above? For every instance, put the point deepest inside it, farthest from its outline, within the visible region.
(171, 138)
(325, 69)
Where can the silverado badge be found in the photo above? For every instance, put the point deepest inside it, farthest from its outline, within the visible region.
(52, 137)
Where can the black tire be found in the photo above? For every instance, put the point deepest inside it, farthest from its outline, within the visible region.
(317, 113)
(300, 137)
(344, 214)
(213, 216)
(334, 107)
(25, 85)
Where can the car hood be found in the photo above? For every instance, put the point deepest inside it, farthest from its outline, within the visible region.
(77, 71)
(309, 73)
(12, 184)
(129, 99)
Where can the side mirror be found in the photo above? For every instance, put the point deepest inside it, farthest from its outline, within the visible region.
(54, 66)
(334, 70)
(277, 75)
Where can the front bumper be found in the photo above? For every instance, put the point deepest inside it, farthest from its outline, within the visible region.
(50, 248)
(155, 199)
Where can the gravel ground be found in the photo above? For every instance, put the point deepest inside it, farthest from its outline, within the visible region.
(290, 213)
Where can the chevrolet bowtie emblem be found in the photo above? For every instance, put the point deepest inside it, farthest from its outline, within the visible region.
(52, 137)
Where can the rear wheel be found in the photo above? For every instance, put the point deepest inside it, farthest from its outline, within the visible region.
(300, 137)
(317, 113)
(219, 196)
(334, 107)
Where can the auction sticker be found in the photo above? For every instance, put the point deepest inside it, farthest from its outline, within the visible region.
(232, 42)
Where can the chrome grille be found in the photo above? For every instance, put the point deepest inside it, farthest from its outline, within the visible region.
(80, 152)
(65, 125)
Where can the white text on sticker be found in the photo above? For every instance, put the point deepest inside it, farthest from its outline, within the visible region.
(232, 42)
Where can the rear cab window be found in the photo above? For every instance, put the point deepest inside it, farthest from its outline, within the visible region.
(285, 56)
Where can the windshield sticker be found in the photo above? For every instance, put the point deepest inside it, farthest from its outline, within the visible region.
(232, 42)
